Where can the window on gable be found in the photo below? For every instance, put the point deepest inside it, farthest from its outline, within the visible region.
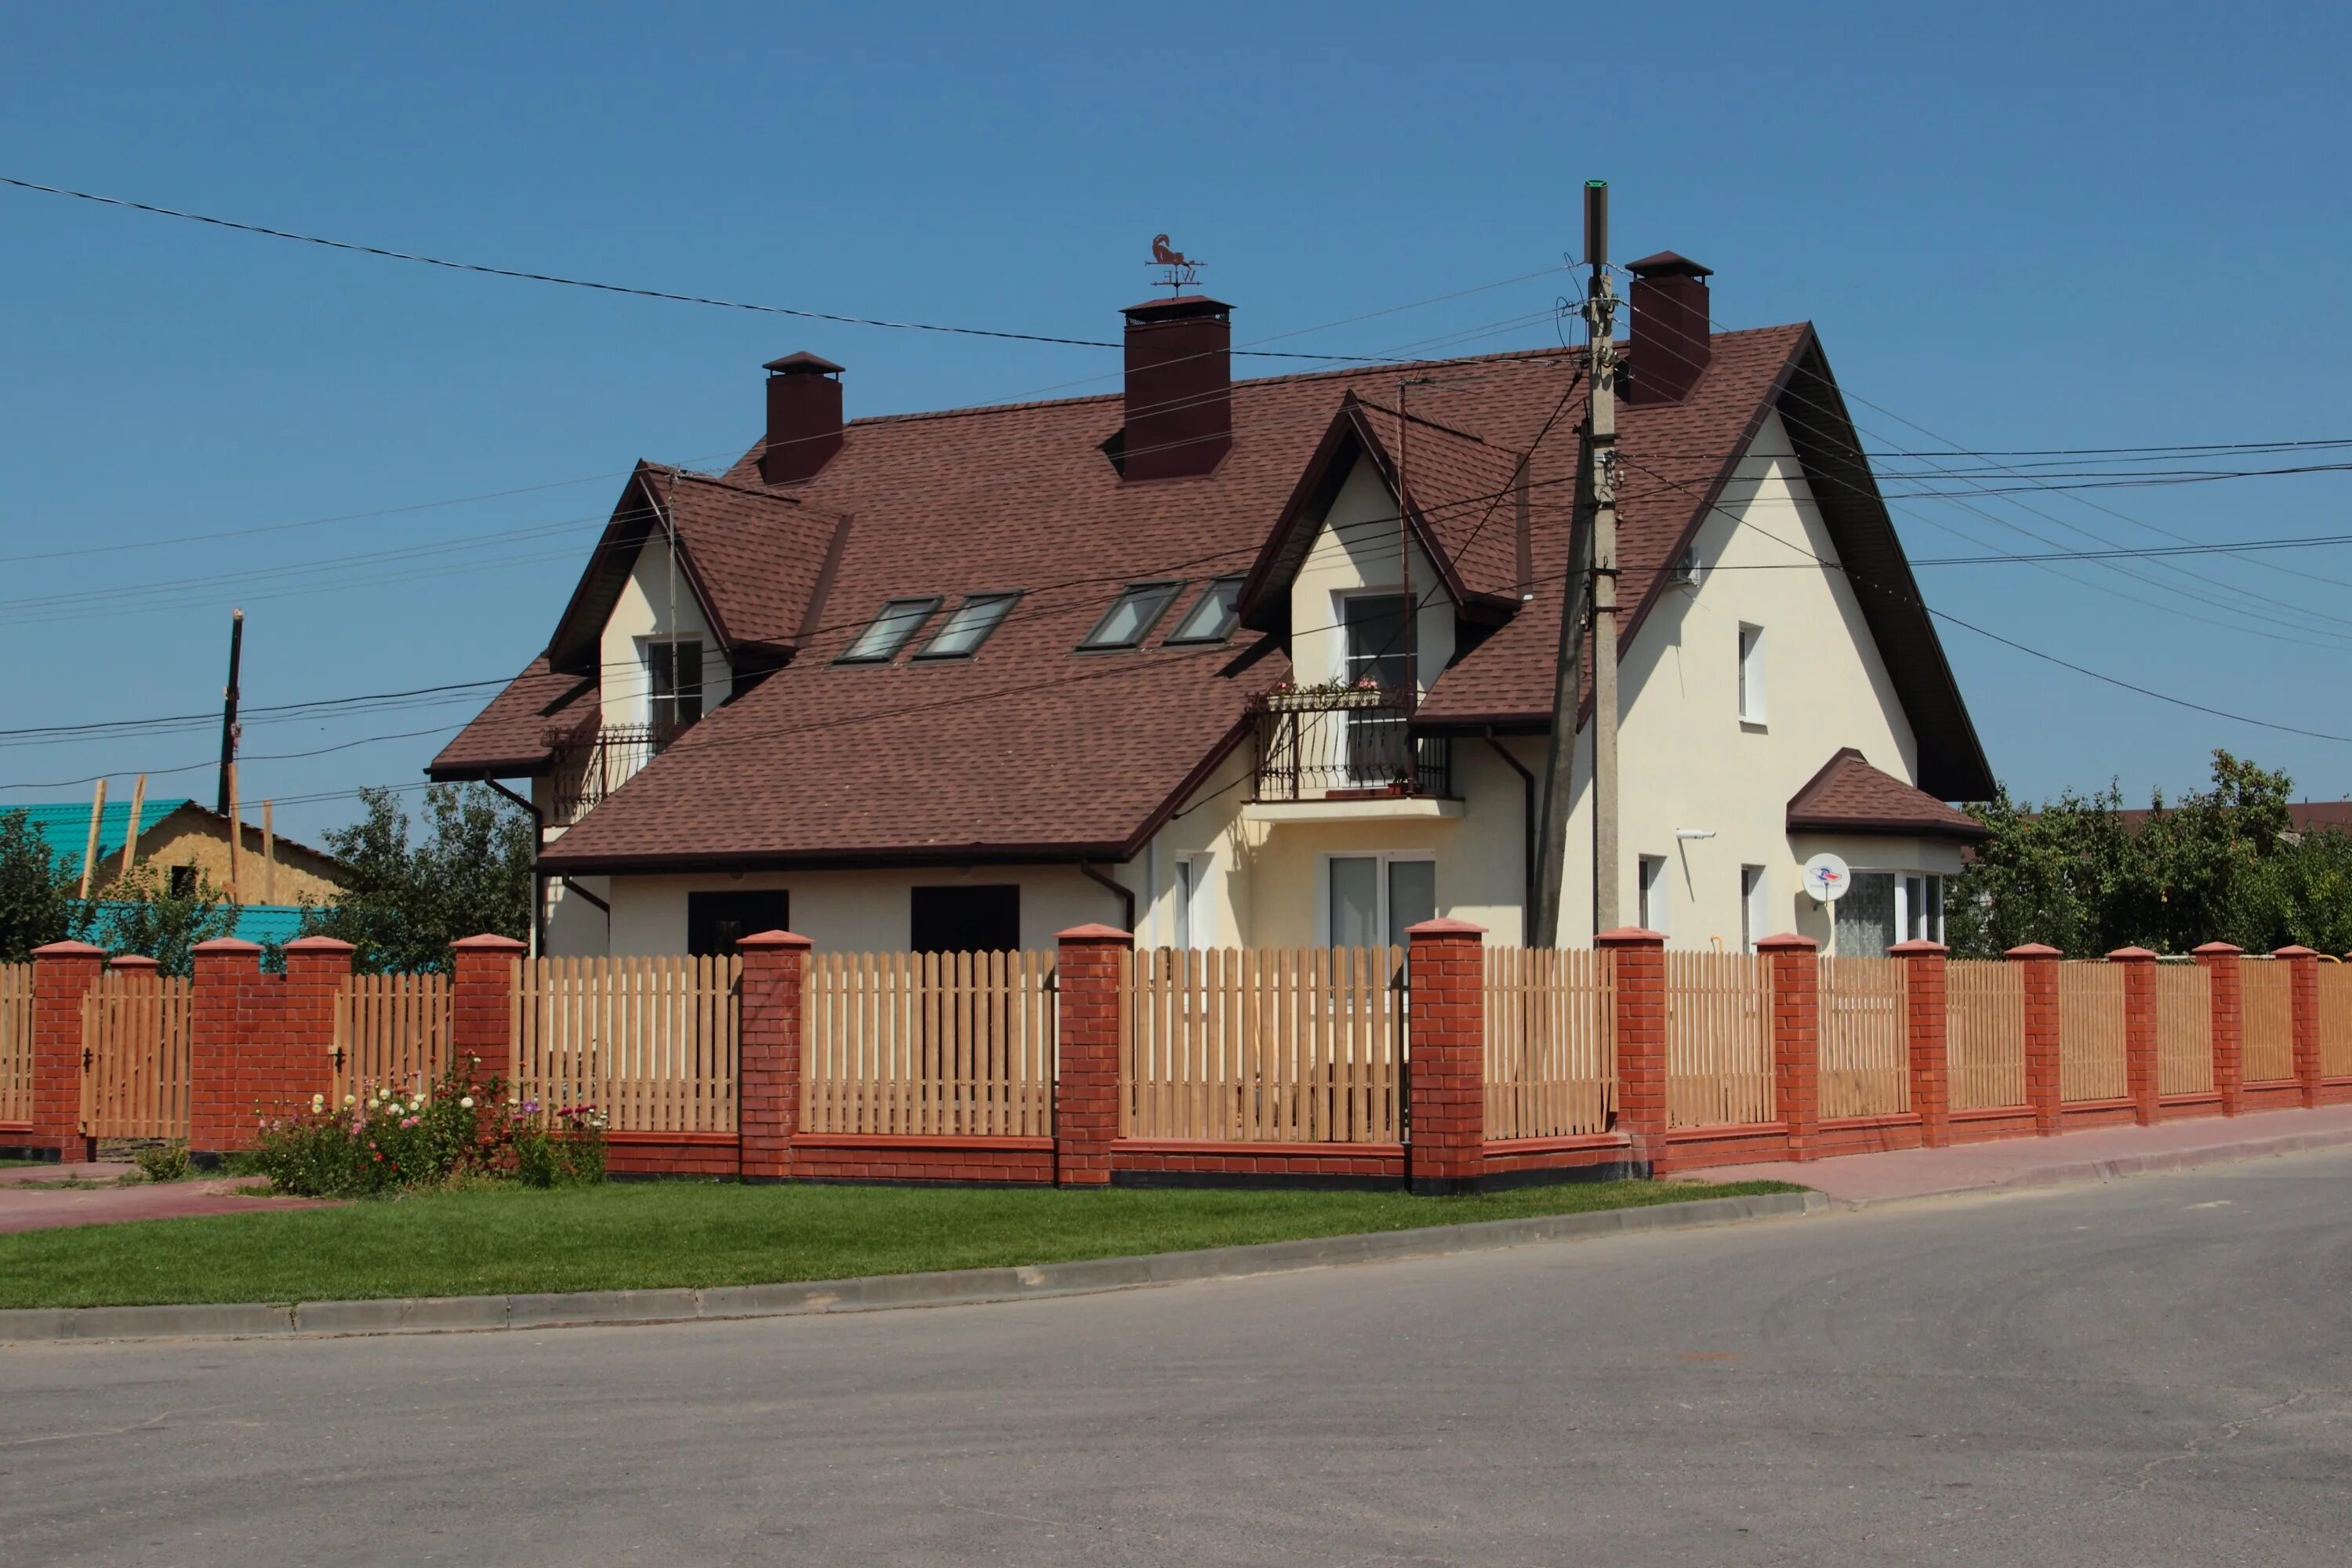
(674, 682)
(968, 626)
(1132, 614)
(1751, 675)
(888, 632)
(1213, 616)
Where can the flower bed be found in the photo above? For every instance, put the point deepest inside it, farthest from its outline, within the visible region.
(462, 1129)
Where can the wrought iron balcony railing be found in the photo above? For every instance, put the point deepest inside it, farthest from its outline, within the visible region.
(1346, 744)
(594, 766)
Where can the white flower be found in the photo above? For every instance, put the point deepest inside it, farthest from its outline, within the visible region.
(467, 1103)
(415, 1106)
(350, 1100)
(318, 1102)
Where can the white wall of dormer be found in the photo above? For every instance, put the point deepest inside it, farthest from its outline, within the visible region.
(643, 613)
(1356, 552)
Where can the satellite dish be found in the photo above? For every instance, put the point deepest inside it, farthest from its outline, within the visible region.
(1826, 879)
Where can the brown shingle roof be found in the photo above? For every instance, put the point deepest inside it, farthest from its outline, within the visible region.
(1849, 795)
(1031, 748)
(516, 735)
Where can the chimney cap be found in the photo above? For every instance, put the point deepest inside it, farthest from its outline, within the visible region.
(1178, 308)
(1666, 264)
(802, 363)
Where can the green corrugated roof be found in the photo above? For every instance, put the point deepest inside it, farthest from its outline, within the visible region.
(66, 828)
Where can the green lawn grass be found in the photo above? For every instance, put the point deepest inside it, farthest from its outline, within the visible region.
(497, 1240)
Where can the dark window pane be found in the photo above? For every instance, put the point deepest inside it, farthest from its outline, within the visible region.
(674, 671)
(1213, 616)
(969, 626)
(715, 922)
(1132, 614)
(1413, 896)
(888, 632)
(965, 918)
(1376, 640)
(1355, 901)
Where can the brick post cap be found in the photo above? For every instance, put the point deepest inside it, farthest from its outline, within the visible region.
(488, 942)
(1445, 927)
(2034, 950)
(773, 940)
(2131, 955)
(132, 961)
(2215, 949)
(1095, 934)
(2296, 950)
(69, 950)
(1787, 942)
(227, 947)
(320, 945)
(1917, 948)
(1630, 936)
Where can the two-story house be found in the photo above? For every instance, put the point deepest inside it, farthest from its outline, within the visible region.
(1263, 662)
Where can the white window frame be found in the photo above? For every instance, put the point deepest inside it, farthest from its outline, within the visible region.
(1193, 901)
(1931, 888)
(1754, 884)
(1323, 884)
(1653, 882)
(1751, 703)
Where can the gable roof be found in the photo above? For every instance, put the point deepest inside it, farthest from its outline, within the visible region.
(1849, 795)
(1032, 749)
(64, 827)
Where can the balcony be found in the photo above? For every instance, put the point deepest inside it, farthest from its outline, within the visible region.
(1348, 752)
(593, 765)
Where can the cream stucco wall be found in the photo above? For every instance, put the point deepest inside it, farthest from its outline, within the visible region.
(643, 613)
(1356, 552)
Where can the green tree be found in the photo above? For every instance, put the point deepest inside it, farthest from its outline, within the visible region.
(140, 913)
(36, 891)
(467, 872)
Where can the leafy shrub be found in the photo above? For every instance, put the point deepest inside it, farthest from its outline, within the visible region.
(163, 1162)
(462, 1127)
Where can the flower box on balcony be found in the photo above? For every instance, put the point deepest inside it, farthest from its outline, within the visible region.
(1329, 699)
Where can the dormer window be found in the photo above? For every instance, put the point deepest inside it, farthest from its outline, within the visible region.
(1131, 616)
(1213, 616)
(968, 626)
(674, 682)
(888, 632)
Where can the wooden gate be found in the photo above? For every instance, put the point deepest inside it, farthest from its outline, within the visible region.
(134, 1055)
(15, 1042)
(390, 1031)
(649, 1042)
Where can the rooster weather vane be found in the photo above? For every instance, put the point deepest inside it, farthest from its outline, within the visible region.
(1183, 272)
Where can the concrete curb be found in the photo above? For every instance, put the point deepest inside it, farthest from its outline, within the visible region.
(449, 1314)
(2062, 1173)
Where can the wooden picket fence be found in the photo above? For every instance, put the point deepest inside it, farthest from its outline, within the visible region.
(1866, 1065)
(1718, 1039)
(2091, 1057)
(651, 1043)
(2336, 1020)
(16, 1042)
(2184, 1029)
(392, 1031)
(135, 1063)
(1984, 1032)
(1264, 1045)
(2266, 1019)
(934, 1043)
(1551, 1033)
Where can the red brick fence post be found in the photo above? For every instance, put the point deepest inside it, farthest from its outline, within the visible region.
(63, 971)
(481, 1001)
(768, 1069)
(1086, 1082)
(2219, 962)
(1795, 1039)
(2044, 1090)
(1923, 1012)
(2302, 973)
(2143, 1073)
(1446, 997)
(1638, 982)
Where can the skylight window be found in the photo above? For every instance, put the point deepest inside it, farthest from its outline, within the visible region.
(1132, 614)
(888, 632)
(968, 626)
(1214, 614)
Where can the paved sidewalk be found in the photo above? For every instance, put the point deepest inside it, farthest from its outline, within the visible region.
(2097, 1155)
(79, 1171)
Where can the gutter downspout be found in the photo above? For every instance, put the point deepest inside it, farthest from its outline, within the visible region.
(1126, 895)
(1528, 834)
(538, 882)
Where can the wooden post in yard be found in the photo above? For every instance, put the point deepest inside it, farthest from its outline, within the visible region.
(236, 839)
(90, 848)
(268, 857)
(131, 832)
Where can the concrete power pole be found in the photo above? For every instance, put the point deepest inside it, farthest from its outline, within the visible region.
(1589, 586)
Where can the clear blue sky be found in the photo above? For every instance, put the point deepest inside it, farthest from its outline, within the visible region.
(2118, 225)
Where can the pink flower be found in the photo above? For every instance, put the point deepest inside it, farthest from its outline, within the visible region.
(408, 1121)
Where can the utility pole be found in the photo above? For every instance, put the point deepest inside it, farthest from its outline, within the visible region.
(229, 708)
(1587, 587)
(1600, 447)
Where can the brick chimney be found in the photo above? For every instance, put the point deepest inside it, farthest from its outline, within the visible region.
(1670, 327)
(1180, 387)
(804, 417)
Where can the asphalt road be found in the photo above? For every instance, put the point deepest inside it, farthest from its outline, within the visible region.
(2150, 1373)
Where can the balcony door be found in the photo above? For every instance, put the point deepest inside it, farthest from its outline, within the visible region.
(1378, 750)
